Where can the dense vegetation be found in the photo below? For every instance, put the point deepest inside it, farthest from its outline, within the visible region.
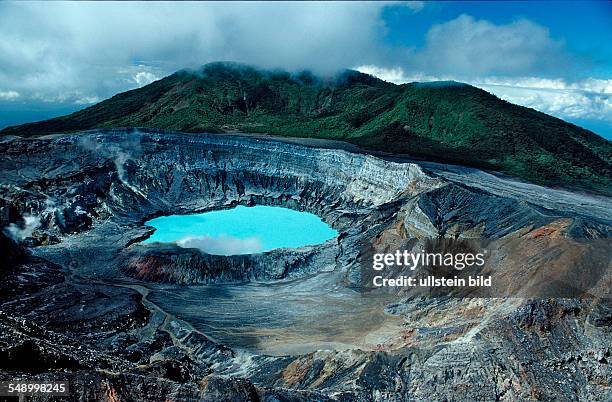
(445, 121)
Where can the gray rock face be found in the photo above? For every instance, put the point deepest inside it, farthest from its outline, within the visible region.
(147, 321)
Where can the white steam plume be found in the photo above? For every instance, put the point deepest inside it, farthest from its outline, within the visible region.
(22, 232)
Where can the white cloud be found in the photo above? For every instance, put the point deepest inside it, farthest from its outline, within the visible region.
(397, 75)
(82, 52)
(85, 100)
(78, 51)
(222, 245)
(465, 46)
(143, 78)
(9, 95)
(584, 99)
(505, 60)
(415, 6)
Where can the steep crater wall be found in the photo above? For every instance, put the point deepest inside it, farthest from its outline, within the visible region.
(86, 196)
(106, 184)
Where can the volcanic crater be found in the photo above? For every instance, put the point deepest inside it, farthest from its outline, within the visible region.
(292, 322)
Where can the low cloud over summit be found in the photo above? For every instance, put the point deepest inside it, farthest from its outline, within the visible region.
(80, 53)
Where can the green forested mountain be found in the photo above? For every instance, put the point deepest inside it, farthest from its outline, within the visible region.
(444, 121)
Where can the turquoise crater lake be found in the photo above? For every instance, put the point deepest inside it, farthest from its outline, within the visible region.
(242, 230)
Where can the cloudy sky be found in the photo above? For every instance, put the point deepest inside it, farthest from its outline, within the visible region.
(555, 57)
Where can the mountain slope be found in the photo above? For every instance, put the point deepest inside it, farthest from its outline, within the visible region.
(445, 121)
